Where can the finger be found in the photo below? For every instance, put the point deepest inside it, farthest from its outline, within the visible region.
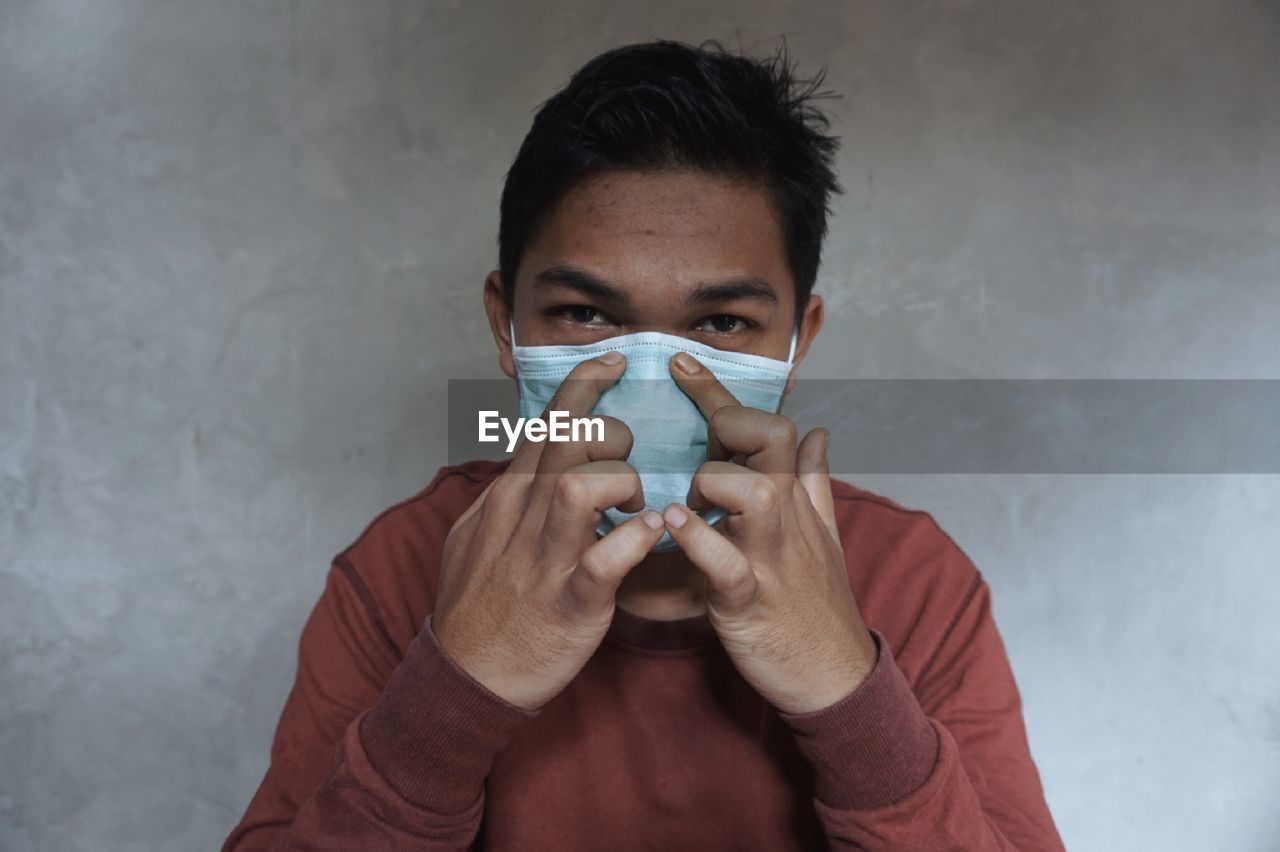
(730, 580)
(577, 396)
(747, 493)
(581, 389)
(814, 474)
(766, 442)
(578, 498)
(765, 439)
(577, 393)
(610, 440)
(526, 457)
(700, 384)
(508, 495)
(603, 565)
(463, 528)
(563, 457)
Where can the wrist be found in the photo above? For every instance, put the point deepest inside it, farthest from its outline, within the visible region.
(459, 652)
(435, 729)
(495, 665)
(875, 746)
(835, 683)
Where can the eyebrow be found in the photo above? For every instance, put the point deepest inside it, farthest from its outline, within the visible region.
(740, 287)
(581, 281)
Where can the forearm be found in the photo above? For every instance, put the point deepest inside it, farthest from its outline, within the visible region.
(944, 813)
(887, 776)
(409, 772)
(356, 808)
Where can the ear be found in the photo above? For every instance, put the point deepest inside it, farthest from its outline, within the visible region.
(495, 305)
(810, 325)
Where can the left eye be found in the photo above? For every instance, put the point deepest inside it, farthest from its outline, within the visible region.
(721, 324)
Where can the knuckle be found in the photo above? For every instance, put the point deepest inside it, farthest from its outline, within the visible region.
(723, 417)
(762, 493)
(593, 568)
(572, 488)
(617, 435)
(781, 429)
(704, 480)
(737, 574)
(700, 475)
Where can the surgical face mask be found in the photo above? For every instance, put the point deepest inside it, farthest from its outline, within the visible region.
(669, 432)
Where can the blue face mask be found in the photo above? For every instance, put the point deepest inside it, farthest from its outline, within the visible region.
(670, 433)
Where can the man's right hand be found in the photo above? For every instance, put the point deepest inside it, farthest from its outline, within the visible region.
(526, 589)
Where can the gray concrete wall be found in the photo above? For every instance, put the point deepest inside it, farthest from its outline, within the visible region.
(241, 245)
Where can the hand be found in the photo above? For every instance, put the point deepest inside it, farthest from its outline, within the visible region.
(526, 589)
(778, 593)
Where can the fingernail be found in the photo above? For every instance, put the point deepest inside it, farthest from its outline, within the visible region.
(652, 520)
(686, 363)
(675, 516)
(611, 358)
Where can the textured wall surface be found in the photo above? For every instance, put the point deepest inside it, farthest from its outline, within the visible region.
(241, 247)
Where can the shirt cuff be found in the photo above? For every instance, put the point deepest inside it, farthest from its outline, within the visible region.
(435, 730)
(872, 748)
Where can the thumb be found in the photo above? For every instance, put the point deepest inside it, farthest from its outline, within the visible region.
(812, 471)
(603, 565)
(728, 572)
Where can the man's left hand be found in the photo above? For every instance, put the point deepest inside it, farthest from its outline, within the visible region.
(778, 592)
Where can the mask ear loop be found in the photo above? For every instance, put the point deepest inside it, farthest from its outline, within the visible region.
(791, 353)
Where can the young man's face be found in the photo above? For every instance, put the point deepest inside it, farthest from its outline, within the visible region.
(677, 252)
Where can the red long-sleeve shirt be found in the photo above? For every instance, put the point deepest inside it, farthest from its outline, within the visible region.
(384, 743)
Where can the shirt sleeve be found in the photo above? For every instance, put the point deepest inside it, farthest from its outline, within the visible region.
(943, 764)
(374, 749)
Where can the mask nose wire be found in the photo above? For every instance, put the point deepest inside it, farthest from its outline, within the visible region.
(791, 352)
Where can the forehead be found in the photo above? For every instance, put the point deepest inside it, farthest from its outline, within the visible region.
(664, 230)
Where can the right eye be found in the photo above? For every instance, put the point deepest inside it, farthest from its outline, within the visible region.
(584, 315)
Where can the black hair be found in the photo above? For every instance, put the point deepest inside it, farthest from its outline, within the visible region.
(667, 105)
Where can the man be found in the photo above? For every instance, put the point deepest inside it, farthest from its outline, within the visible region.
(491, 665)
